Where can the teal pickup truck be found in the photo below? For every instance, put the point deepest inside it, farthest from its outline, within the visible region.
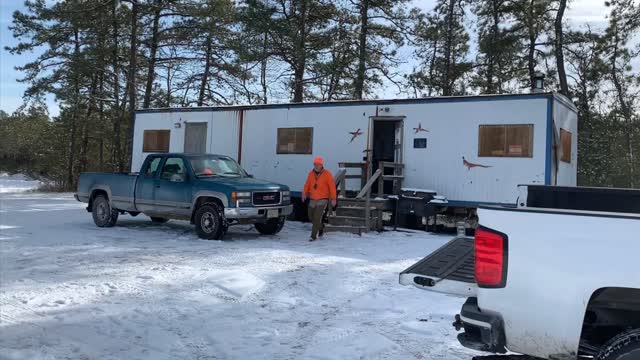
(211, 191)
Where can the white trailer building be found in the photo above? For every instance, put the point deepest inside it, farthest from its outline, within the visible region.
(470, 149)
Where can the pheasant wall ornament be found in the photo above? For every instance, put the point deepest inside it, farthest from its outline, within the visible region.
(471, 165)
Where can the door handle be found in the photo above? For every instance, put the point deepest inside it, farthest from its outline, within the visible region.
(157, 186)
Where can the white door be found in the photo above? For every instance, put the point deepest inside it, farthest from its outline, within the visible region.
(195, 138)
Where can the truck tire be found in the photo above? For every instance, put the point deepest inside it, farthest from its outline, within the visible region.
(625, 346)
(103, 214)
(271, 227)
(209, 222)
(158, 220)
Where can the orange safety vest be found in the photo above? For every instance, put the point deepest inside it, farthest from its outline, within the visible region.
(320, 186)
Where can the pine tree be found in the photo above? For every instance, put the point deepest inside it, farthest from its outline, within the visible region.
(382, 28)
(298, 33)
(533, 22)
(623, 24)
(497, 61)
(443, 46)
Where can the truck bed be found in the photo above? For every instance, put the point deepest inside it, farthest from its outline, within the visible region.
(451, 266)
(120, 188)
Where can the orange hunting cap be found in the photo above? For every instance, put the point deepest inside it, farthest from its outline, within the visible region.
(318, 160)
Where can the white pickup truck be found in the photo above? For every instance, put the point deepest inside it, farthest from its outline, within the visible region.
(558, 277)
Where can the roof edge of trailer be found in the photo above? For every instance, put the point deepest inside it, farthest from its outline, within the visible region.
(564, 100)
(434, 99)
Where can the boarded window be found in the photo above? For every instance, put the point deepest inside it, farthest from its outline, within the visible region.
(506, 140)
(156, 141)
(565, 142)
(295, 141)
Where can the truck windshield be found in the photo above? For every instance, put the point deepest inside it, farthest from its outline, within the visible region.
(216, 166)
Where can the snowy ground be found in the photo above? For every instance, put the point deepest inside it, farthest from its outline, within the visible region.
(144, 291)
(17, 183)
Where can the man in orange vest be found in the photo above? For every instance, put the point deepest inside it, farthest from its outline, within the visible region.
(320, 188)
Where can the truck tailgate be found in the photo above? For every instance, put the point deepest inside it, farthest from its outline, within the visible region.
(449, 270)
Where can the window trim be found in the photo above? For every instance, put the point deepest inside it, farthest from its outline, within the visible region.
(160, 165)
(278, 152)
(506, 152)
(164, 163)
(145, 149)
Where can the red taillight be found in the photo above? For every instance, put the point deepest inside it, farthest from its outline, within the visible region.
(491, 258)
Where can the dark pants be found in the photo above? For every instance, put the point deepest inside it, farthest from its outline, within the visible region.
(316, 210)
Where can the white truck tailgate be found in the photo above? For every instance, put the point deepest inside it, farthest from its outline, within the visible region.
(449, 270)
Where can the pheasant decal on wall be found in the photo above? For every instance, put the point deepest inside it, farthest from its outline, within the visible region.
(470, 165)
(420, 129)
(355, 134)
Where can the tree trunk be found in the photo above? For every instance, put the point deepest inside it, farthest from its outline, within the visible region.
(102, 122)
(84, 149)
(362, 50)
(447, 88)
(625, 110)
(432, 65)
(491, 88)
(205, 75)
(263, 68)
(76, 104)
(153, 48)
(300, 59)
(132, 77)
(168, 100)
(116, 157)
(531, 55)
(562, 75)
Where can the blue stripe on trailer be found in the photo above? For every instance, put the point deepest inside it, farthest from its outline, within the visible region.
(475, 204)
(548, 150)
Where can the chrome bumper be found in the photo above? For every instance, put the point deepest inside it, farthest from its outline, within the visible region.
(252, 213)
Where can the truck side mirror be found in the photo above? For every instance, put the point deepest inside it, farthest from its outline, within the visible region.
(250, 175)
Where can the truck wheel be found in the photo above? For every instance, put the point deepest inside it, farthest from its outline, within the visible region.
(271, 227)
(208, 221)
(103, 214)
(158, 220)
(625, 346)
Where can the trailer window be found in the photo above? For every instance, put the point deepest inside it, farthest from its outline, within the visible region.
(565, 142)
(506, 140)
(156, 141)
(295, 141)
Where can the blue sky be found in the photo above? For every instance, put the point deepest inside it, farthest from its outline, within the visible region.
(580, 12)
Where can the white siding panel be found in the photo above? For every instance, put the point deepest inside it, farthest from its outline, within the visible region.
(331, 140)
(453, 133)
(224, 133)
(566, 118)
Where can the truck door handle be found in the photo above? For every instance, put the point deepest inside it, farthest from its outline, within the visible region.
(157, 186)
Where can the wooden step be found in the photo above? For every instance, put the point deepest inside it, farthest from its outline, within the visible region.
(353, 211)
(351, 221)
(350, 202)
(346, 229)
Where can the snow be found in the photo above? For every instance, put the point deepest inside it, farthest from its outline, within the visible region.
(438, 201)
(419, 190)
(17, 183)
(146, 291)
